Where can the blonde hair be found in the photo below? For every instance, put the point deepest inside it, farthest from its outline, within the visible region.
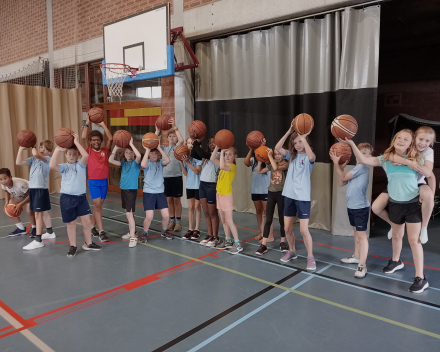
(47, 144)
(368, 146)
(411, 153)
(186, 140)
(235, 153)
(428, 130)
(291, 148)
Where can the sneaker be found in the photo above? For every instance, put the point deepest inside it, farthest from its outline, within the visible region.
(205, 240)
(188, 235)
(311, 264)
(284, 247)
(390, 234)
(393, 266)
(33, 232)
(17, 232)
(236, 248)
(262, 250)
(196, 235)
(48, 236)
(289, 256)
(424, 235)
(72, 251)
(178, 226)
(133, 242)
(419, 285)
(91, 247)
(33, 245)
(103, 236)
(350, 260)
(126, 236)
(167, 235)
(143, 238)
(171, 225)
(361, 271)
(213, 242)
(95, 232)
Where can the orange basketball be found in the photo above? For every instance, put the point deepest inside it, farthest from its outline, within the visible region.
(261, 154)
(344, 126)
(64, 137)
(10, 210)
(303, 123)
(181, 151)
(197, 129)
(224, 139)
(162, 122)
(343, 150)
(150, 140)
(122, 138)
(26, 138)
(96, 115)
(254, 139)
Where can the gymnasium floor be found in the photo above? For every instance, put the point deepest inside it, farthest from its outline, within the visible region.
(181, 296)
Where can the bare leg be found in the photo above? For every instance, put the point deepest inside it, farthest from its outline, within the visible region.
(228, 219)
(214, 219)
(165, 218)
(356, 242)
(40, 223)
(398, 232)
(288, 228)
(379, 206)
(413, 230)
(171, 210)
(225, 225)
(31, 215)
(427, 198)
(307, 237)
(177, 207)
(71, 232)
(97, 213)
(260, 218)
(198, 214)
(191, 208)
(206, 210)
(363, 246)
(87, 229)
(149, 214)
(131, 223)
(47, 219)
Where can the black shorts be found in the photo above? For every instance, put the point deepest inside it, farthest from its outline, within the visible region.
(39, 199)
(173, 186)
(73, 206)
(298, 208)
(192, 193)
(128, 198)
(257, 197)
(153, 201)
(208, 190)
(359, 218)
(401, 213)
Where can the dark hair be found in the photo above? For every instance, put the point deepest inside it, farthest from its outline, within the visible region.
(5, 171)
(207, 143)
(95, 133)
(74, 147)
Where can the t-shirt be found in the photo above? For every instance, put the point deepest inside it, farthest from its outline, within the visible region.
(277, 179)
(357, 187)
(39, 174)
(129, 174)
(402, 181)
(19, 190)
(210, 170)
(153, 177)
(173, 169)
(73, 179)
(297, 185)
(428, 155)
(192, 179)
(259, 183)
(225, 178)
(98, 163)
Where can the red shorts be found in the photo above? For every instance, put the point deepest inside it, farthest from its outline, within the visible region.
(225, 203)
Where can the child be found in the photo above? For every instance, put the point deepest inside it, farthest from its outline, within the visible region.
(424, 140)
(16, 191)
(191, 169)
(73, 201)
(259, 185)
(129, 185)
(154, 190)
(296, 192)
(225, 199)
(173, 178)
(39, 199)
(403, 205)
(358, 206)
(277, 168)
(98, 174)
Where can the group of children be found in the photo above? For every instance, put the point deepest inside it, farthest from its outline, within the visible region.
(284, 181)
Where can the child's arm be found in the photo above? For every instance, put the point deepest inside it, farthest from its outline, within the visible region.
(279, 146)
(84, 155)
(184, 170)
(166, 158)
(7, 198)
(194, 169)
(85, 130)
(214, 157)
(136, 152)
(112, 157)
(54, 160)
(260, 169)
(20, 161)
(343, 177)
(247, 160)
(37, 155)
(309, 150)
(19, 206)
(223, 166)
(108, 134)
(362, 159)
(144, 162)
(425, 170)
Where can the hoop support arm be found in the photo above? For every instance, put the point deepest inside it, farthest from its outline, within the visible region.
(178, 32)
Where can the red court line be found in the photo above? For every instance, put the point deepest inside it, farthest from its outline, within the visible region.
(12, 313)
(6, 328)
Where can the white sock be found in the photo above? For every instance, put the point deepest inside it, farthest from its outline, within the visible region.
(424, 235)
(20, 226)
(390, 234)
(33, 226)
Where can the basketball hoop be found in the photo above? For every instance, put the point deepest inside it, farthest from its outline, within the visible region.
(115, 76)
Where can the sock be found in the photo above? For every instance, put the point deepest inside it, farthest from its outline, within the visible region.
(145, 232)
(20, 226)
(356, 257)
(49, 230)
(162, 230)
(310, 258)
(93, 226)
(173, 218)
(228, 239)
(38, 238)
(178, 219)
(237, 241)
(101, 231)
(33, 226)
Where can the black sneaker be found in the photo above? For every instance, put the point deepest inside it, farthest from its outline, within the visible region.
(103, 236)
(95, 232)
(195, 235)
(91, 247)
(261, 250)
(393, 266)
(72, 251)
(144, 238)
(188, 235)
(284, 247)
(167, 235)
(419, 285)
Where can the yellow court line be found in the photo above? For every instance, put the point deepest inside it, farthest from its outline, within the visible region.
(354, 310)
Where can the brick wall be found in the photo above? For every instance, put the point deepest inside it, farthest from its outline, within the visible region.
(189, 4)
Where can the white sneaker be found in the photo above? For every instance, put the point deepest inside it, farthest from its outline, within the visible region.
(126, 236)
(33, 245)
(424, 235)
(133, 242)
(48, 236)
(361, 271)
(390, 234)
(351, 260)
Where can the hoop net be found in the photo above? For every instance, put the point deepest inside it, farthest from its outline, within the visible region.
(115, 76)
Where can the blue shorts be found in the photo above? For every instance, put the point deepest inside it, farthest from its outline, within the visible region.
(73, 206)
(153, 201)
(39, 199)
(98, 188)
(256, 197)
(359, 218)
(299, 208)
(208, 190)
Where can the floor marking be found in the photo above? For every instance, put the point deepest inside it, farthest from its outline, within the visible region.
(324, 268)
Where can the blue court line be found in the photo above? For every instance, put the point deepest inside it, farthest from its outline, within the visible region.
(247, 316)
(324, 268)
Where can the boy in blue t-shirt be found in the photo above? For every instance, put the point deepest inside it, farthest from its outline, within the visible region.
(154, 190)
(129, 185)
(73, 201)
(358, 206)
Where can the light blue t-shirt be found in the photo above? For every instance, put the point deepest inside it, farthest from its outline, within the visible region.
(357, 187)
(210, 171)
(402, 181)
(153, 177)
(173, 168)
(297, 185)
(39, 174)
(192, 179)
(129, 174)
(73, 179)
(259, 183)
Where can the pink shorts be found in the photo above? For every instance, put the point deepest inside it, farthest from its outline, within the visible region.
(225, 203)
